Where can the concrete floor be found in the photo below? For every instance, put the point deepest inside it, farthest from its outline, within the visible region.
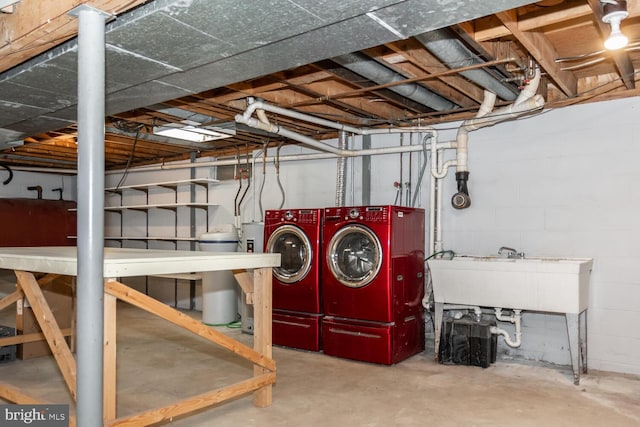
(159, 363)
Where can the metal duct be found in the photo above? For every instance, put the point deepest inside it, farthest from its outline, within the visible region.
(454, 54)
(341, 185)
(374, 71)
(167, 49)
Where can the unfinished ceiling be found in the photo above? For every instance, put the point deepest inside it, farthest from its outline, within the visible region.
(360, 62)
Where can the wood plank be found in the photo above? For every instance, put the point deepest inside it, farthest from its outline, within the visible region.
(36, 26)
(17, 396)
(195, 403)
(50, 328)
(543, 53)
(153, 306)
(245, 280)
(48, 278)
(109, 359)
(262, 329)
(37, 336)
(13, 297)
(180, 276)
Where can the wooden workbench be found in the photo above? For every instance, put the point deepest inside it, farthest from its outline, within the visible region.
(252, 270)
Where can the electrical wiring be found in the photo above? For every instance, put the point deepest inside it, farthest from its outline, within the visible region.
(264, 178)
(129, 127)
(277, 165)
(10, 177)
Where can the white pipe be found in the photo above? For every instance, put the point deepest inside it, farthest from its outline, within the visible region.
(438, 233)
(292, 157)
(462, 137)
(477, 310)
(260, 105)
(515, 318)
(432, 212)
(279, 130)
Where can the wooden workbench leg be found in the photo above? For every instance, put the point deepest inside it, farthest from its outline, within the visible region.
(50, 328)
(109, 369)
(262, 329)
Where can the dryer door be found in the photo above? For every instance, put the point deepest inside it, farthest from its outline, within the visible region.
(295, 250)
(354, 255)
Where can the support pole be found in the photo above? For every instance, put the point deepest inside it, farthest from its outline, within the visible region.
(91, 111)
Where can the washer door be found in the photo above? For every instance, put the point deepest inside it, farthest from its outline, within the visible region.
(295, 250)
(354, 255)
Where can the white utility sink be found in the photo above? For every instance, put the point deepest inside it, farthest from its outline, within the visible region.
(559, 285)
(556, 285)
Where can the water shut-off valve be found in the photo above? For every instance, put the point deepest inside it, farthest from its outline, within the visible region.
(461, 199)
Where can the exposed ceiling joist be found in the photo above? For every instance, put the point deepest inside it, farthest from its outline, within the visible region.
(542, 52)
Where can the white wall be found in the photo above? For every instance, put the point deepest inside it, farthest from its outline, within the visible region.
(18, 187)
(562, 183)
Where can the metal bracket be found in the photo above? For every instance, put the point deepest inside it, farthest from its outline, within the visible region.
(83, 7)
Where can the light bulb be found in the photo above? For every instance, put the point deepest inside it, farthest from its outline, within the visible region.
(616, 39)
(613, 14)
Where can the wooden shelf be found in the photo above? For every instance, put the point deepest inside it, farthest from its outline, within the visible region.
(169, 206)
(159, 238)
(168, 184)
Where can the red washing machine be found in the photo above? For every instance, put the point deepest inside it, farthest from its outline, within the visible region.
(373, 282)
(296, 234)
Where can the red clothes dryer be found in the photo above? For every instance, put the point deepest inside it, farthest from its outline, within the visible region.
(373, 266)
(373, 282)
(296, 235)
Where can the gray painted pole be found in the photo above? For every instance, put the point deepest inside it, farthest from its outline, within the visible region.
(90, 310)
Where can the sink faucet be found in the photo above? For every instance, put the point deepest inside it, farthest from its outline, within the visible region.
(511, 253)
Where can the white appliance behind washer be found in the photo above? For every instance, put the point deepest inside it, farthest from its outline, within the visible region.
(251, 240)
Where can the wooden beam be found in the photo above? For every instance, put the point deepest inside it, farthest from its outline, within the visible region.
(50, 277)
(50, 328)
(417, 55)
(109, 359)
(195, 403)
(36, 26)
(543, 53)
(13, 297)
(262, 329)
(34, 337)
(356, 92)
(245, 280)
(140, 300)
(17, 396)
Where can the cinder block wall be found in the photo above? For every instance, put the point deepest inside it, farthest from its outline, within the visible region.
(564, 183)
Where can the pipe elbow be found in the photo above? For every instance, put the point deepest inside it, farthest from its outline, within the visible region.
(262, 116)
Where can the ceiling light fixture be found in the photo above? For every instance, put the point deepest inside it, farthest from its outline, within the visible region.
(614, 11)
(194, 133)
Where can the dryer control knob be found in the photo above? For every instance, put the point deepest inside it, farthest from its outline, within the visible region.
(288, 215)
(353, 213)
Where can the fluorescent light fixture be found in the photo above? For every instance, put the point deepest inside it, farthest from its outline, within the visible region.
(194, 133)
(614, 11)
